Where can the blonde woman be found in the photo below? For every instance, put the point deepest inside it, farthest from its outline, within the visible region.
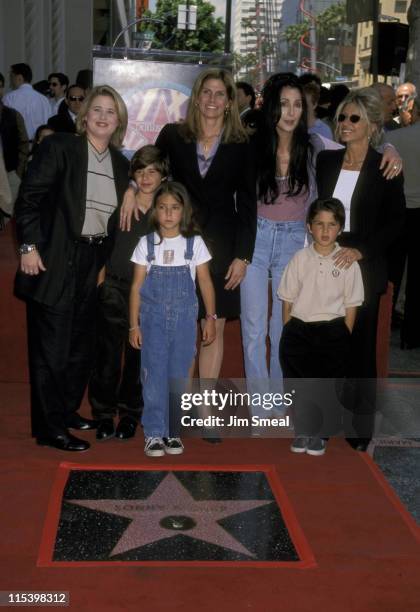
(65, 214)
(374, 219)
(209, 153)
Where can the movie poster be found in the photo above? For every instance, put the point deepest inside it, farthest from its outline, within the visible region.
(155, 93)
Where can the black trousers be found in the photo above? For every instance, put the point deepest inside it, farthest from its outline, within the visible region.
(60, 345)
(314, 360)
(359, 394)
(115, 382)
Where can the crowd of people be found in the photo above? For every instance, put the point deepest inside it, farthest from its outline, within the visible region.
(300, 190)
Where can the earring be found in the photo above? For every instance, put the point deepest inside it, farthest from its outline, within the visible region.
(227, 111)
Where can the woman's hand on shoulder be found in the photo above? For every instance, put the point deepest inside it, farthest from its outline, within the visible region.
(128, 209)
(236, 273)
(345, 257)
(391, 163)
(31, 263)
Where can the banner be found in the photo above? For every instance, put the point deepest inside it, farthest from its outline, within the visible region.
(156, 93)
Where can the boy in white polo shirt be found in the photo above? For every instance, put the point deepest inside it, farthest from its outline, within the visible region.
(320, 301)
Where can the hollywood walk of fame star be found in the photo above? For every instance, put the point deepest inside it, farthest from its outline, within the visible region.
(197, 519)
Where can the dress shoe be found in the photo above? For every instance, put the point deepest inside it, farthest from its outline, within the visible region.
(359, 444)
(126, 428)
(64, 441)
(81, 423)
(105, 429)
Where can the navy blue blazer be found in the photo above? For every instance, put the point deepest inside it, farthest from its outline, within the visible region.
(224, 200)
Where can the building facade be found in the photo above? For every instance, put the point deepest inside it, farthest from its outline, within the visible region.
(49, 35)
(389, 11)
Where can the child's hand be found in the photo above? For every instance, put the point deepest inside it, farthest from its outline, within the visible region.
(134, 337)
(128, 209)
(209, 331)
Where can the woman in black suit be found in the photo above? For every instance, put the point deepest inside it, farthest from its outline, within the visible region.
(374, 218)
(65, 215)
(209, 153)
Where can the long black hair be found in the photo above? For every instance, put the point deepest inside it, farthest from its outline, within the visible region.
(298, 177)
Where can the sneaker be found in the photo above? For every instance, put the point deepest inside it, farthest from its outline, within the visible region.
(154, 447)
(299, 445)
(316, 447)
(173, 446)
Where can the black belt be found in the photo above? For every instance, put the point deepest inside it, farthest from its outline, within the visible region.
(92, 240)
(119, 279)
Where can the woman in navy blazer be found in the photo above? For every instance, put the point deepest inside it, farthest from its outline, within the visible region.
(61, 255)
(211, 155)
(375, 217)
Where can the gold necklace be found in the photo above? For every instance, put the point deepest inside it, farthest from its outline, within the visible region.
(354, 163)
(207, 141)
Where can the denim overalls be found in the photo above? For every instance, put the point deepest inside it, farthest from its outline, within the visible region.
(168, 321)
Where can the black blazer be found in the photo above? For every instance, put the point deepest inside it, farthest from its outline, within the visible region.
(225, 201)
(50, 210)
(62, 122)
(376, 214)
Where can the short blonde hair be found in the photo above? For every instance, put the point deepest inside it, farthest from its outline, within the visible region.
(105, 90)
(233, 131)
(369, 103)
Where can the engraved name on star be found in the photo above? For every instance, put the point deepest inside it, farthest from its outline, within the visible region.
(171, 498)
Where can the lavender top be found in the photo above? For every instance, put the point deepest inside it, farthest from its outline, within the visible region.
(203, 162)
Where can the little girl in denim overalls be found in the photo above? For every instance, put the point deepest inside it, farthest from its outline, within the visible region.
(163, 292)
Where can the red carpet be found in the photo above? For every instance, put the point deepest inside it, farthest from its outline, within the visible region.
(365, 546)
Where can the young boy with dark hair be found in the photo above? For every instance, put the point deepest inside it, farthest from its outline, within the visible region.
(115, 385)
(320, 301)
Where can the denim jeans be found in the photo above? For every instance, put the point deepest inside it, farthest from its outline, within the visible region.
(168, 321)
(275, 245)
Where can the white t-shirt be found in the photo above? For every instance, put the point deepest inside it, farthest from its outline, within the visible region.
(171, 252)
(343, 191)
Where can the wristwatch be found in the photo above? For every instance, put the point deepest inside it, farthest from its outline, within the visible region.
(24, 249)
(246, 261)
(211, 316)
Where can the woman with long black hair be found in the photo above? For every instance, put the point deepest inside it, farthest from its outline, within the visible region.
(286, 186)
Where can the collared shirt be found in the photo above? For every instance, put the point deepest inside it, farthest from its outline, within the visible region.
(33, 106)
(318, 290)
(55, 104)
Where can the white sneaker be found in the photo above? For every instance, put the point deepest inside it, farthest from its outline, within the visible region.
(173, 446)
(316, 447)
(299, 445)
(154, 447)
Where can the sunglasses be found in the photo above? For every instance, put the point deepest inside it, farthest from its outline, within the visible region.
(76, 98)
(353, 118)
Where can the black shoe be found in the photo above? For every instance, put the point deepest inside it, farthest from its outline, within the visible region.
(81, 423)
(213, 440)
(105, 429)
(65, 442)
(126, 428)
(359, 444)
